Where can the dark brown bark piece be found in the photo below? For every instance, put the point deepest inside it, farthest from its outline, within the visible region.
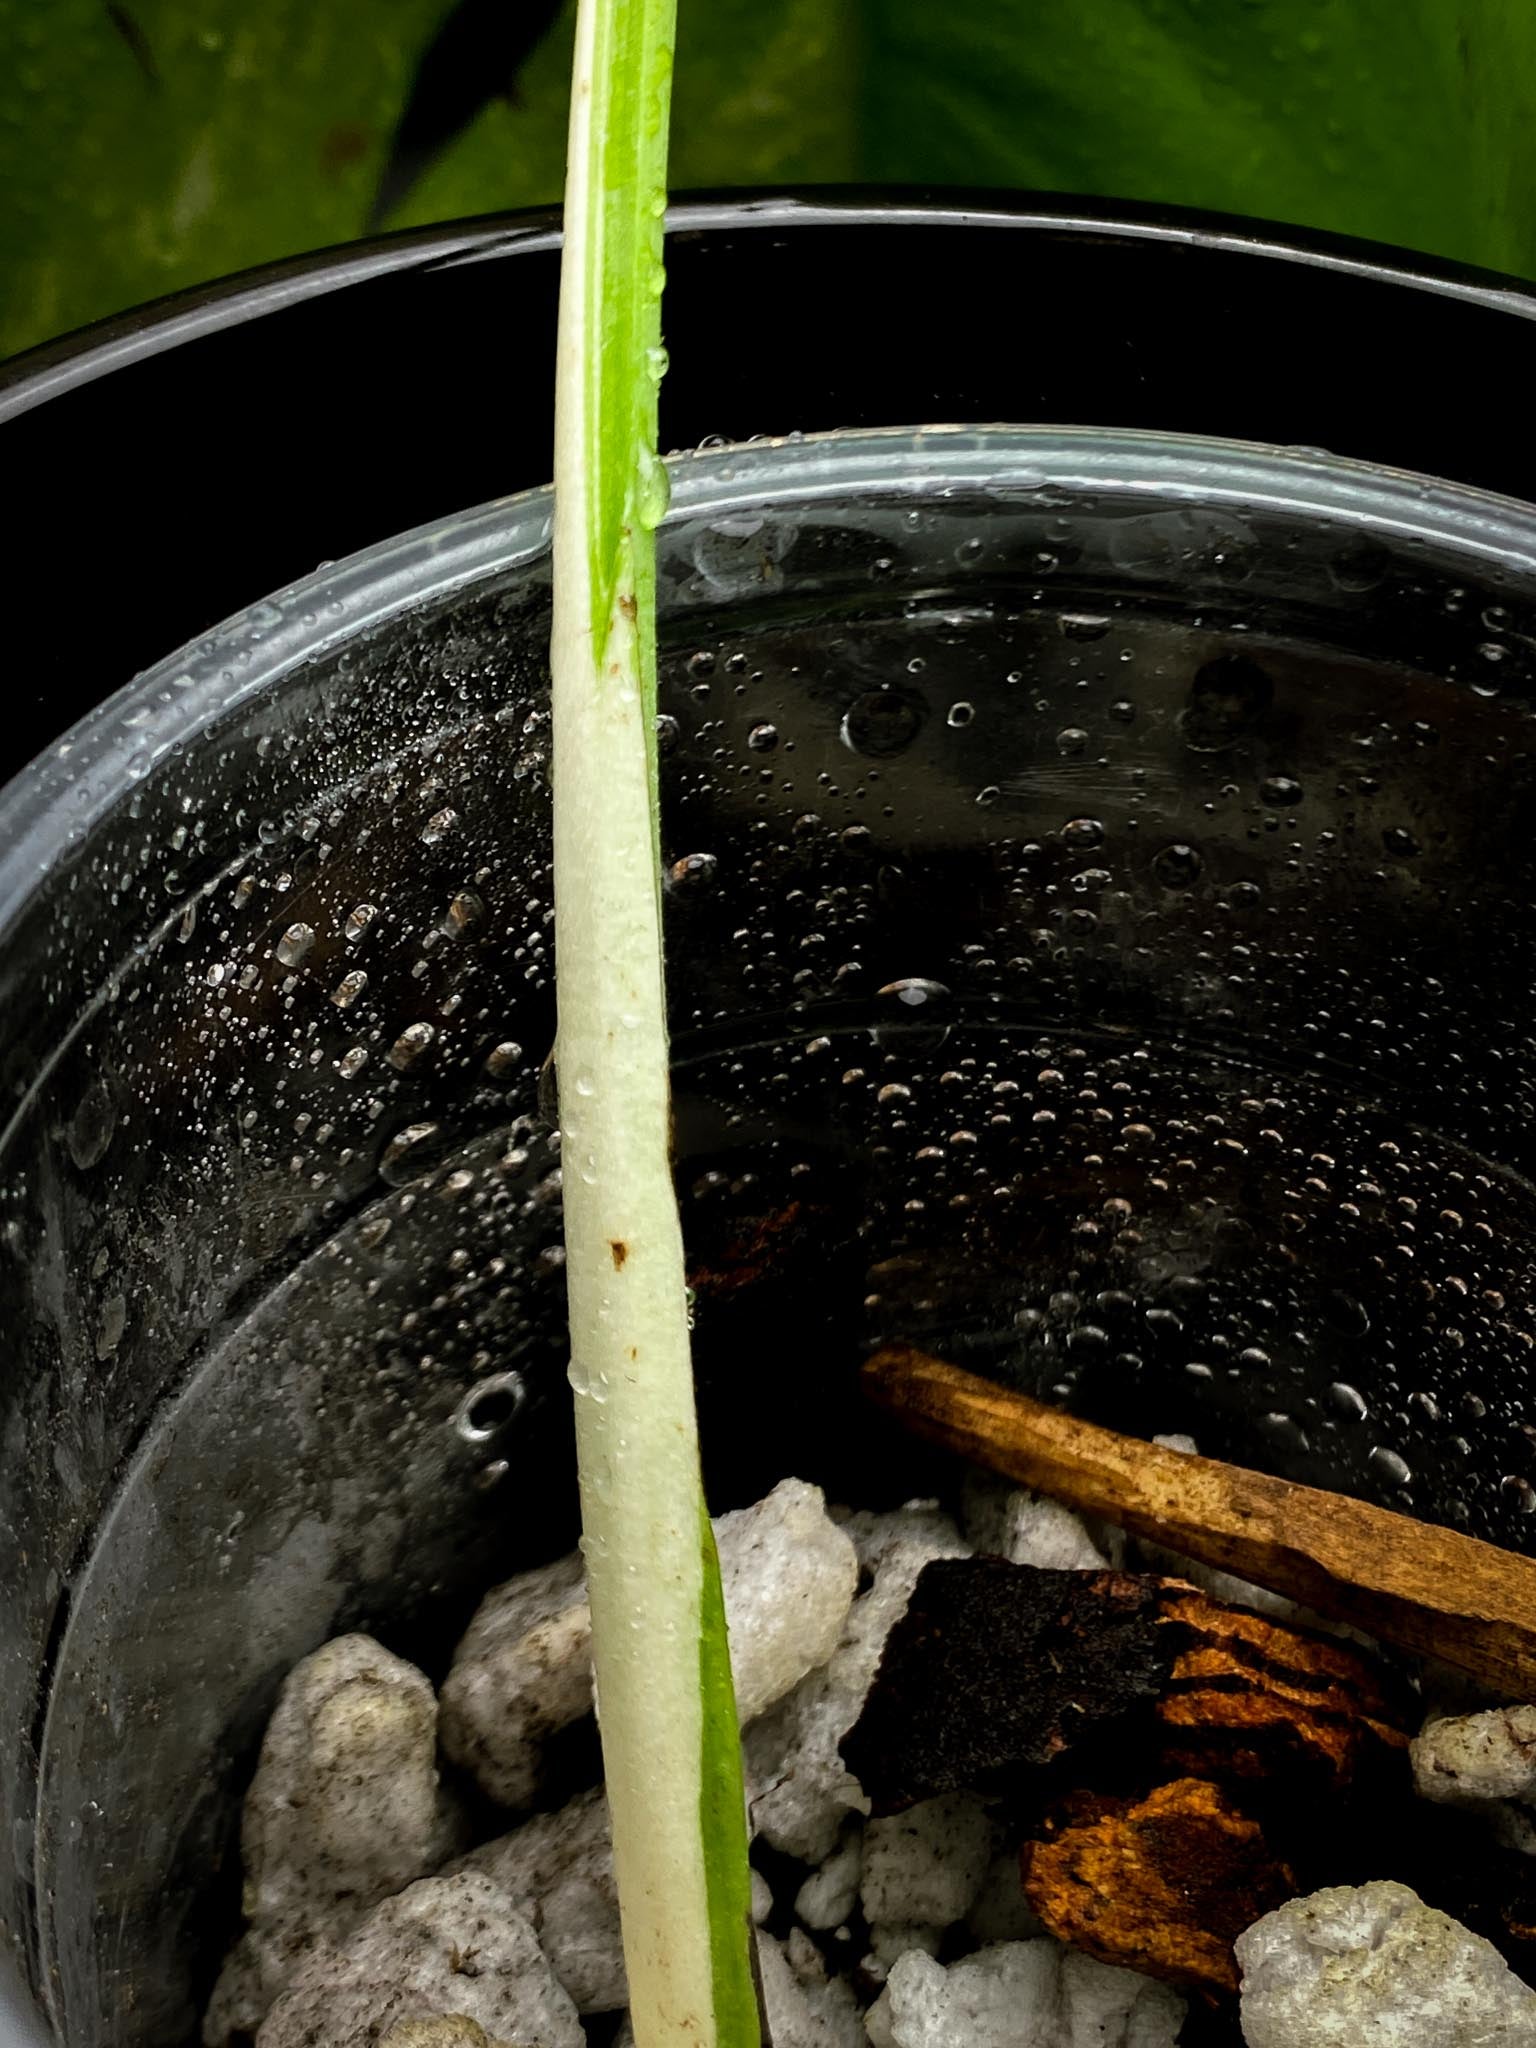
(1162, 1884)
(995, 1666)
(999, 1668)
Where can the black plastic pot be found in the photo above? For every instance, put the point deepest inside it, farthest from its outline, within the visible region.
(243, 1342)
(181, 461)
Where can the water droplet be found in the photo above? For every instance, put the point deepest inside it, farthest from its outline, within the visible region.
(1084, 625)
(882, 723)
(1178, 866)
(989, 794)
(504, 1059)
(352, 1063)
(91, 1127)
(293, 947)
(1349, 1401)
(960, 714)
(1071, 740)
(653, 488)
(1082, 834)
(1386, 1464)
(410, 1045)
(1280, 790)
(463, 913)
(409, 1153)
(1519, 1492)
(349, 988)
(762, 739)
(439, 825)
(693, 872)
(358, 921)
(914, 1013)
(1400, 844)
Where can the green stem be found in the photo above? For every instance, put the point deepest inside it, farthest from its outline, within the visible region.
(670, 1744)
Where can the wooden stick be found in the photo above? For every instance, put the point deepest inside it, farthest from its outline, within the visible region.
(1412, 1583)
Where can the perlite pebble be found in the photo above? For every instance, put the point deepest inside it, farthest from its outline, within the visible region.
(558, 1867)
(1472, 1757)
(800, 1790)
(831, 1892)
(446, 1947)
(801, 2014)
(1374, 1967)
(524, 1668)
(1022, 1994)
(1026, 1528)
(927, 1863)
(345, 1809)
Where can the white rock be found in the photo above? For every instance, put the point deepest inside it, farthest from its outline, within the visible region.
(524, 1668)
(1109, 2008)
(831, 1892)
(801, 2016)
(558, 1868)
(1000, 1911)
(800, 1789)
(762, 1898)
(1026, 1528)
(805, 1959)
(926, 1864)
(890, 1940)
(1374, 1967)
(789, 1575)
(522, 1672)
(457, 2032)
(345, 1808)
(446, 1947)
(1471, 1757)
(1022, 1994)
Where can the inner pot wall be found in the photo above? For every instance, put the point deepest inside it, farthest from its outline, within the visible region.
(1172, 797)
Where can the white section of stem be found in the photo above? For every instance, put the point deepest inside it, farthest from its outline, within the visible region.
(635, 1422)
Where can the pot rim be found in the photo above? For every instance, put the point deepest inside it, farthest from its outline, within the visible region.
(52, 804)
(79, 358)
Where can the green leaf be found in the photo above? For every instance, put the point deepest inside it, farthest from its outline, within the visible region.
(1407, 120)
(206, 138)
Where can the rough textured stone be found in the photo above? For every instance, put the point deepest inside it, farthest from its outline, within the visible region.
(800, 1790)
(890, 1940)
(1374, 1967)
(1024, 1994)
(789, 1575)
(345, 1808)
(1027, 1528)
(1466, 1758)
(831, 1892)
(801, 2013)
(448, 1947)
(558, 1867)
(926, 1864)
(524, 1668)
(522, 1672)
(441, 2033)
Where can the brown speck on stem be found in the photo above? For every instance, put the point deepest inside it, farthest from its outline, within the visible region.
(619, 1250)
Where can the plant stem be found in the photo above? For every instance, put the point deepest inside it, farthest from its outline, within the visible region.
(670, 1744)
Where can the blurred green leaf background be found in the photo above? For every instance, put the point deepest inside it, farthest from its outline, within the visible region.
(150, 144)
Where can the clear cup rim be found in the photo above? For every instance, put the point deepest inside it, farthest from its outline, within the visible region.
(63, 793)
